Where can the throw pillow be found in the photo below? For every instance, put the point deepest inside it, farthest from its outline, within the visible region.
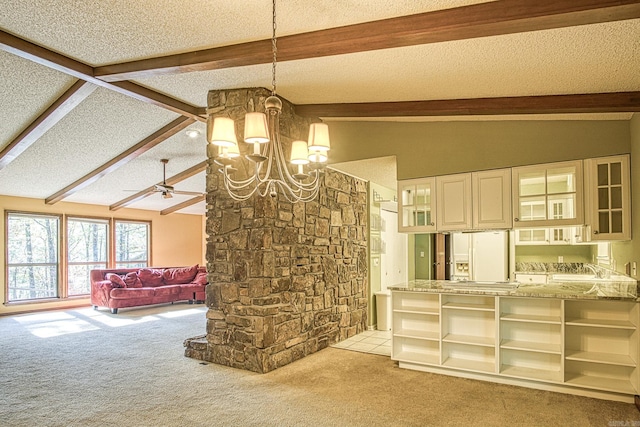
(200, 279)
(150, 277)
(177, 276)
(132, 280)
(116, 280)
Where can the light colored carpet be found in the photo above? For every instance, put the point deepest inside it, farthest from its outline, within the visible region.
(87, 368)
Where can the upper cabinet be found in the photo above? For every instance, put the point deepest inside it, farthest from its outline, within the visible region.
(416, 210)
(608, 198)
(548, 195)
(492, 199)
(454, 202)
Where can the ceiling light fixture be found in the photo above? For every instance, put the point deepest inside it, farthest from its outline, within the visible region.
(192, 133)
(271, 171)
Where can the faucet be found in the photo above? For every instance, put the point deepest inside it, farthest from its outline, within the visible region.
(597, 272)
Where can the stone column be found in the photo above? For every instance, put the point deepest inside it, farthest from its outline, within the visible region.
(285, 280)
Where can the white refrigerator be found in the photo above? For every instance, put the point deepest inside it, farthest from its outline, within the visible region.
(482, 257)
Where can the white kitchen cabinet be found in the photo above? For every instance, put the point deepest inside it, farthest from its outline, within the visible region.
(587, 347)
(491, 199)
(548, 195)
(548, 236)
(608, 198)
(453, 203)
(416, 209)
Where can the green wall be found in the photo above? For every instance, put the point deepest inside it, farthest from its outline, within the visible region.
(439, 148)
(534, 253)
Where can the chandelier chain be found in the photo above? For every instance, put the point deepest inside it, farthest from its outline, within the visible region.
(274, 49)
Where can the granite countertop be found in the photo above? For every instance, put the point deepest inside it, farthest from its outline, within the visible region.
(626, 289)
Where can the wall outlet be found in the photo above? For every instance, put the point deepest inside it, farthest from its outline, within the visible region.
(634, 269)
(560, 259)
(421, 254)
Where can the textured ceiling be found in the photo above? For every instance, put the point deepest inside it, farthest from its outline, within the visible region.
(584, 59)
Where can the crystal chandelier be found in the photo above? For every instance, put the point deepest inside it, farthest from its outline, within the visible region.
(270, 169)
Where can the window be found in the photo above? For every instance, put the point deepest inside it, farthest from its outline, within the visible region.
(87, 249)
(51, 256)
(132, 244)
(32, 256)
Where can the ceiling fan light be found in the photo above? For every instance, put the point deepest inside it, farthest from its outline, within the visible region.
(255, 128)
(319, 137)
(166, 195)
(221, 131)
(299, 153)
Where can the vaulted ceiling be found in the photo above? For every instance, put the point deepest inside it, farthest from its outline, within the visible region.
(94, 94)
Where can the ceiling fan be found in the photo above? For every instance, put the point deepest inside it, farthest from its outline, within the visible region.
(167, 191)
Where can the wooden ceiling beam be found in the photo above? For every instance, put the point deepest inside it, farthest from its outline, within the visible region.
(466, 22)
(77, 93)
(48, 58)
(188, 173)
(547, 104)
(183, 205)
(146, 144)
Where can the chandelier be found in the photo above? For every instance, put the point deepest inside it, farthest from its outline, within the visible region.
(268, 161)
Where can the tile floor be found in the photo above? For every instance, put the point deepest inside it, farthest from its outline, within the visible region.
(376, 342)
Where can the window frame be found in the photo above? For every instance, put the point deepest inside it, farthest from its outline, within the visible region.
(116, 263)
(62, 288)
(108, 264)
(59, 259)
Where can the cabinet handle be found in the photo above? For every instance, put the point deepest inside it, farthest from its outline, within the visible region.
(432, 223)
(595, 231)
(516, 219)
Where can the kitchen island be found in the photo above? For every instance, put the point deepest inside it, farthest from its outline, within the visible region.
(573, 336)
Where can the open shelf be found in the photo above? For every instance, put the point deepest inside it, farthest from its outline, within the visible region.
(417, 310)
(469, 365)
(468, 306)
(531, 373)
(416, 357)
(415, 302)
(602, 358)
(531, 346)
(531, 318)
(590, 345)
(470, 339)
(618, 385)
(417, 334)
(601, 323)
(468, 302)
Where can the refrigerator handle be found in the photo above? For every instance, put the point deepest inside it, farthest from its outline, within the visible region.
(472, 253)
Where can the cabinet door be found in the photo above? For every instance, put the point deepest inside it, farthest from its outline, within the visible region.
(492, 199)
(608, 207)
(548, 195)
(454, 202)
(416, 211)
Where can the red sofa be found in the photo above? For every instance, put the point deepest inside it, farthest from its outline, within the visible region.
(133, 287)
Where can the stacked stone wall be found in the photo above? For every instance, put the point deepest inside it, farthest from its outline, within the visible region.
(285, 279)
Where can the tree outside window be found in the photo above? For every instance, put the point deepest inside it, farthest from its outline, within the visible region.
(132, 244)
(32, 256)
(87, 249)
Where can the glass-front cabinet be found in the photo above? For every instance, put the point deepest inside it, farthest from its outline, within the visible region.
(608, 198)
(548, 195)
(416, 209)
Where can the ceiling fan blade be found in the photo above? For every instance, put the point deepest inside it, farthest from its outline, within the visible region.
(188, 193)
